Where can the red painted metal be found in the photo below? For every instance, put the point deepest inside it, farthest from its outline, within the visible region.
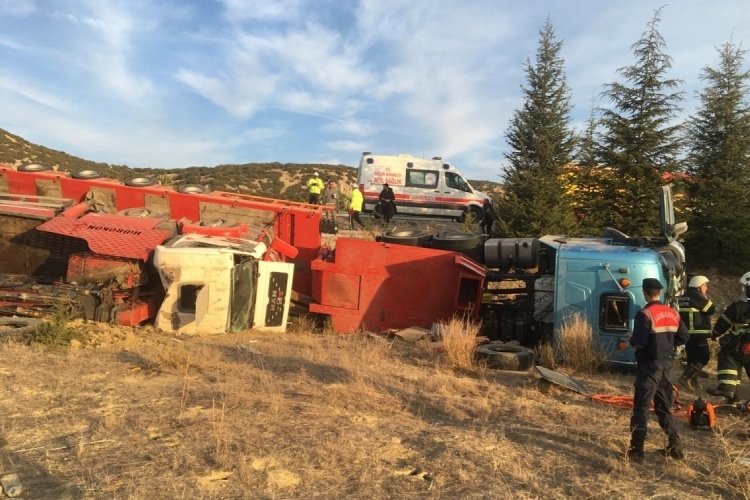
(297, 224)
(136, 313)
(116, 235)
(379, 286)
(231, 231)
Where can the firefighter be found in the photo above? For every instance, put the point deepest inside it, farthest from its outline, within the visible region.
(657, 330)
(314, 188)
(733, 331)
(696, 310)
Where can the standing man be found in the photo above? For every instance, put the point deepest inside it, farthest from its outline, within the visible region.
(657, 330)
(387, 201)
(695, 311)
(488, 217)
(355, 207)
(733, 331)
(330, 195)
(314, 187)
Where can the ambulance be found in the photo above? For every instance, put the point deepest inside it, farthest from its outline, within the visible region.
(422, 186)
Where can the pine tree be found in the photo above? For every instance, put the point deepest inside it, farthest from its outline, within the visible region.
(534, 202)
(640, 140)
(719, 164)
(587, 197)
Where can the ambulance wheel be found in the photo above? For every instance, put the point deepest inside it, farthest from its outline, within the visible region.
(34, 167)
(141, 182)
(12, 328)
(502, 356)
(86, 174)
(191, 189)
(406, 237)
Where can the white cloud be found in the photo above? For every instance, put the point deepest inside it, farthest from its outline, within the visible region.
(346, 146)
(20, 8)
(29, 90)
(240, 10)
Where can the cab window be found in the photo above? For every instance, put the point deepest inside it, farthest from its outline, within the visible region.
(455, 181)
(422, 178)
(614, 310)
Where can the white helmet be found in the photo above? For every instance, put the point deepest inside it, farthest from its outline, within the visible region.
(745, 279)
(698, 281)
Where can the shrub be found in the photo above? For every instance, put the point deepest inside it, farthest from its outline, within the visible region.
(57, 331)
(459, 337)
(577, 347)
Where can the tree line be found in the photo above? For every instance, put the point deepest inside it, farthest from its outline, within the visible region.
(561, 181)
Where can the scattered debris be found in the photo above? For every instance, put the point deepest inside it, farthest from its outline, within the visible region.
(413, 333)
(557, 378)
(11, 484)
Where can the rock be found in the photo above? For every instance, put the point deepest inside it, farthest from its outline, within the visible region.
(11, 484)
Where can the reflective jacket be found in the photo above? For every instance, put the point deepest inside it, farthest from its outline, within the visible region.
(733, 326)
(357, 200)
(696, 310)
(656, 331)
(315, 185)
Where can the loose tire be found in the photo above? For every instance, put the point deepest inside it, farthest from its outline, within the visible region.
(407, 237)
(504, 356)
(13, 328)
(34, 167)
(87, 174)
(141, 182)
(191, 189)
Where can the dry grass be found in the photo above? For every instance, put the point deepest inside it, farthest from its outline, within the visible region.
(459, 338)
(576, 346)
(138, 415)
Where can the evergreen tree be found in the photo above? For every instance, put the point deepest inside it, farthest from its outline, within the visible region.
(587, 196)
(541, 144)
(640, 141)
(719, 164)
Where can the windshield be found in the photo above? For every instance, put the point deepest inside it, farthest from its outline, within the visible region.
(455, 181)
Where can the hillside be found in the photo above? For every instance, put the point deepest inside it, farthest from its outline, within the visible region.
(273, 180)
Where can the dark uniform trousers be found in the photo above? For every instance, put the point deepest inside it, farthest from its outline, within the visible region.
(652, 382)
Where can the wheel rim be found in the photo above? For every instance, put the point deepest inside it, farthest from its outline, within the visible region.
(34, 167)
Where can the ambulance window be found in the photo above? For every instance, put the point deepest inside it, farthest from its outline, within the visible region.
(455, 181)
(422, 178)
(614, 310)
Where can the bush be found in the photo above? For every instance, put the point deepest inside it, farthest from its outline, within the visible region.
(577, 348)
(459, 337)
(57, 331)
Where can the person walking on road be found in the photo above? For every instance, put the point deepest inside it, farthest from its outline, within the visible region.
(733, 331)
(696, 310)
(330, 196)
(657, 330)
(314, 188)
(355, 207)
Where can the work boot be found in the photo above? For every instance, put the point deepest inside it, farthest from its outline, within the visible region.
(674, 448)
(635, 452)
(722, 390)
(686, 383)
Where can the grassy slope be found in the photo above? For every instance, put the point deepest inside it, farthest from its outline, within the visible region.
(139, 414)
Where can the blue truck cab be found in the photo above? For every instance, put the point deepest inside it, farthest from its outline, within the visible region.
(544, 282)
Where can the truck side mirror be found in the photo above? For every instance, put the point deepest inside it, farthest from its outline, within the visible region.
(679, 228)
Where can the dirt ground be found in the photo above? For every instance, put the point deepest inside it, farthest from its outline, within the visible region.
(135, 413)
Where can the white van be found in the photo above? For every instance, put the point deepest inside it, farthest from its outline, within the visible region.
(421, 186)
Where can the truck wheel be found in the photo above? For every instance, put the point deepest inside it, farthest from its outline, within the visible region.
(138, 212)
(407, 237)
(504, 356)
(141, 182)
(34, 167)
(191, 189)
(12, 328)
(86, 174)
(216, 223)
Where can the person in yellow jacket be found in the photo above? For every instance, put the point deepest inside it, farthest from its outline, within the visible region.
(314, 187)
(355, 207)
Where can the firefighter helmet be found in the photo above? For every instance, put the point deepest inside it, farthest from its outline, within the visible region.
(745, 279)
(698, 281)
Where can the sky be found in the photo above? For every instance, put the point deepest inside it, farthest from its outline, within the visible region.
(180, 83)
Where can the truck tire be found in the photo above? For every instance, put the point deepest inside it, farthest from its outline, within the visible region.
(502, 356)
(13, 328)
(86, 174)
(407, 237)
(469, 244)
(141, 212)
(34, 167)
(216, 223)
(191, 189)
(141, 182)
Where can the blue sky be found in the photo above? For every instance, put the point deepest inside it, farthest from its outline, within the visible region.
(179, 83)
